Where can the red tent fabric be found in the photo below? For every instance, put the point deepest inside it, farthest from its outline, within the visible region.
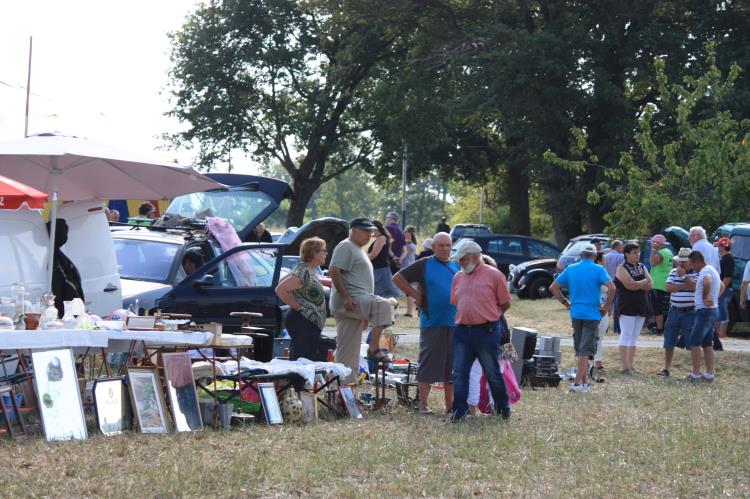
(13, 194)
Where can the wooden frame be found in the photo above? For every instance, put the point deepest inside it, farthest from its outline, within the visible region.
(59, 394)
(183, 397)
(310, 405)
(350, 402)
(270, 402)
(147, 399)
(112, 405)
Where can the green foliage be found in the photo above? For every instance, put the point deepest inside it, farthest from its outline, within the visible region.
(700, 175)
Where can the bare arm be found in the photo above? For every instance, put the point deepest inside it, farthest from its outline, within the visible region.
(649, 282)
(624, 277)
(405, 286)
(379, 243)
(611, 290)
(284, 291)
(655, 257)
(707, 291)
(554, 288)
(743, 294)
(335, 274)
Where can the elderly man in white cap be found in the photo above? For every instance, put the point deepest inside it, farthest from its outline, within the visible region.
(481, 296)
(584, 281)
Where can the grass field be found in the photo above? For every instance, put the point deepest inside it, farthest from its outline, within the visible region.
(632, 436)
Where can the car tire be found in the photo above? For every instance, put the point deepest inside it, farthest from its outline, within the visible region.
(539, 288)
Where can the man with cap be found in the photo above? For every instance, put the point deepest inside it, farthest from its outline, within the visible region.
(352, 299)
(443, 226)
(481, 296)
(584, 281)
(726, 272)
(398, 242)
(661, 265)
(681, 287)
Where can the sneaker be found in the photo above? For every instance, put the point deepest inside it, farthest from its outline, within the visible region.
(585, 388)
(706, 379)
(578, 388)
(692, 379)
(664, 373)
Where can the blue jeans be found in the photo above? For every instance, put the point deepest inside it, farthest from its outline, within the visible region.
(481, 343)
(724, 300)
(702, 333)
(679, 323)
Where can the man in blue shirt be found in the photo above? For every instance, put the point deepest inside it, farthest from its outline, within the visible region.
(584, 281)
(437, 319)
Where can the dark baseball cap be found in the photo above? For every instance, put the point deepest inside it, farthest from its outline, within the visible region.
(361, 223)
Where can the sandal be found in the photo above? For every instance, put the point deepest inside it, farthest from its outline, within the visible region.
(425, 410)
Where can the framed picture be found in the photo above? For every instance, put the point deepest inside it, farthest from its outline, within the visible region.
(147, 400)
(310, 405)
(112, 405)
(59, 394)
(350, 402)
(183, 397)
(270, 403)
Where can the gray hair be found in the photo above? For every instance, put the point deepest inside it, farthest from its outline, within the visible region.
(698, 230)
(615, 244)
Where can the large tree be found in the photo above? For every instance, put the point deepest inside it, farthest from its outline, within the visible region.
(285, 80)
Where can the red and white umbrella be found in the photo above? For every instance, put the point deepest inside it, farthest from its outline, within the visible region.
(14, 194)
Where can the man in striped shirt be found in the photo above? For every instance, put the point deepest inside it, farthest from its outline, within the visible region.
(681, 285)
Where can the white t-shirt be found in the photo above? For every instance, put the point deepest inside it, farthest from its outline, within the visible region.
(709, 252)
(713, 292)
(746, 277)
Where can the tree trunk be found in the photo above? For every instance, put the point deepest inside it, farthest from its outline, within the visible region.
(302, 193)
(518, 199)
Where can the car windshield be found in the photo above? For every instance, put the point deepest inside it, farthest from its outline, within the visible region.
(144, 260)
(237, 206)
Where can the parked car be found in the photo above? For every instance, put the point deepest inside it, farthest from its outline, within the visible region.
(572, 252)
(509, 249)
(469, 230)
(532, 279)
(242, 279)
(739, 233)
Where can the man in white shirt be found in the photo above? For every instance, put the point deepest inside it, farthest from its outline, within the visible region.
(745, 285)
(697, 238)
(708, 287)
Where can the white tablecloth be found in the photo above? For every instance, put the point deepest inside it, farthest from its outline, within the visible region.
(85, 338)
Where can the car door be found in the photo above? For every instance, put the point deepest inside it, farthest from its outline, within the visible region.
(242, 279)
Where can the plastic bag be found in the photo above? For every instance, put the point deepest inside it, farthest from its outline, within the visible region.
(511, 385)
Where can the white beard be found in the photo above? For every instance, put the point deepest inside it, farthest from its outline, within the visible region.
(469, 268)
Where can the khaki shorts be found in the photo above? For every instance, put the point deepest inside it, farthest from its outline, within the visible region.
(374, 309)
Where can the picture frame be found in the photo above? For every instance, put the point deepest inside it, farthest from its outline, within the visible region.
(350, 402)
(310, 407)
(270, 402)
(59, 394)
(112, 405)
(183, 397)
(147, 399)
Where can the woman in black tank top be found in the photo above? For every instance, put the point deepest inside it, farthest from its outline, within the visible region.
(379, 253)
(633, 283)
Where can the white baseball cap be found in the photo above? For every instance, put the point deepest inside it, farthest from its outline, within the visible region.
(589, 249)
(466, 248)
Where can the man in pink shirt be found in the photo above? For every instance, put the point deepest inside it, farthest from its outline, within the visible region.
(480, 293)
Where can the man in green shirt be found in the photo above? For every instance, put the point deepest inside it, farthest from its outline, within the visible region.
(661, 266)
(353, 303)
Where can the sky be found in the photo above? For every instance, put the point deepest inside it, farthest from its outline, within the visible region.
(99, 70)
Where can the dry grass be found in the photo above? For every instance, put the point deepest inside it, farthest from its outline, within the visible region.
(631, 436)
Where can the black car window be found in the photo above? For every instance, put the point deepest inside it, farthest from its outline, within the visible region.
(245, 269)
(538, 250)
(741, 247)
(510, 246)
(144, 260)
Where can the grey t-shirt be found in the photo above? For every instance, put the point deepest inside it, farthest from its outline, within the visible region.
(356, 272)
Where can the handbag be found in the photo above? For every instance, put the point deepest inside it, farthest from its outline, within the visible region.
(511, 385)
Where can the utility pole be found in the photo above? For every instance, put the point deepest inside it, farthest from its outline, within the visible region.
(404, 167)
(28, 93)
(481, 206)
